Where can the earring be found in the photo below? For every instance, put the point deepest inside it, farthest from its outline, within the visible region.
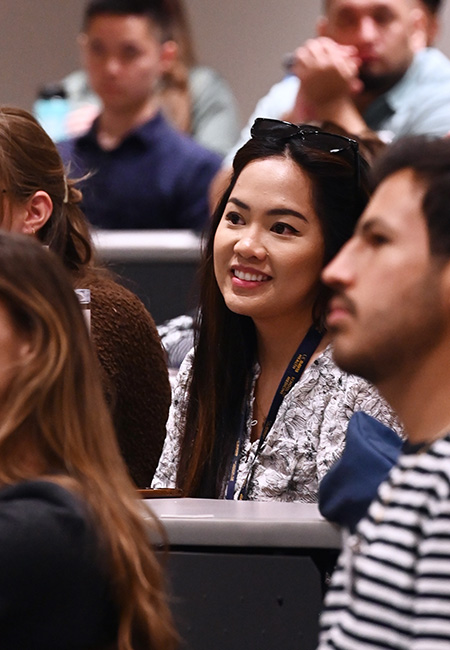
(33, 231)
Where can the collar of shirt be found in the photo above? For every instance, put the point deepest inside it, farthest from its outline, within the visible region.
(393, 100)
(144, 134)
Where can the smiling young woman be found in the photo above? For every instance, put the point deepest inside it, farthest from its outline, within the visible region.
(260, 409)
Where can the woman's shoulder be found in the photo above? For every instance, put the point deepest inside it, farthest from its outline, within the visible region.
(119, 316)
(107, 294)
(49, 544)
(201, 76)
(36, 513)
(327, 367)
(41, 491)
(207, 85)
(350, 393)
(183, 377)
(323, 371)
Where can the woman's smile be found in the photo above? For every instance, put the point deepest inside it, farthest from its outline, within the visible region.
(242, 277)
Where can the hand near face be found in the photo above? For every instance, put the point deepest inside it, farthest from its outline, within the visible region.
(327, 70)
(329, 79)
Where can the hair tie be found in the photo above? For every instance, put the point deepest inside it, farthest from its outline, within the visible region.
(66, 191)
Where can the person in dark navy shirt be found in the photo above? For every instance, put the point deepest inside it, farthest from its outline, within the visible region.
(140, 172)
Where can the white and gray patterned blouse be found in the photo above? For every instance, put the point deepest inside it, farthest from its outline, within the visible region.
(308, 434)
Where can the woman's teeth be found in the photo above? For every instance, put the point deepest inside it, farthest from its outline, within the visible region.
(249, 277)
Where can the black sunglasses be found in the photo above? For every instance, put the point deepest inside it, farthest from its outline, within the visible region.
(264, 127)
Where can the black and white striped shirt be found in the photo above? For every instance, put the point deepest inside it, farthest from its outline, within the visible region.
(391, 589)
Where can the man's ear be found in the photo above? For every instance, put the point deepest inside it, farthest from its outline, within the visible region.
(322, 26)
(419, 32)
(169, 55)
(82, 43)
(38, 209)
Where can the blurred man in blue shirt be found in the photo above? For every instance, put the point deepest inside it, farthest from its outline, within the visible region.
(140, 172)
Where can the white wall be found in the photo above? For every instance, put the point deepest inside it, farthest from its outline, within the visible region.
(244, 39)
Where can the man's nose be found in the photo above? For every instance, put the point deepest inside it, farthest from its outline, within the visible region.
(338, 273)
(367, 30)
(112, 65)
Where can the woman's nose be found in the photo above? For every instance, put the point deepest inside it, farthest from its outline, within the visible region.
(250, 245)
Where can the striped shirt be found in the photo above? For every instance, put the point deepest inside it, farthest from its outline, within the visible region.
(391, 589)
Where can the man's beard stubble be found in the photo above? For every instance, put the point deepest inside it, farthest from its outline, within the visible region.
(379, 83)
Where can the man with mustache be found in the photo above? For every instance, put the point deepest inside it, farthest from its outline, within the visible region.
(368, 69)
(390, 317)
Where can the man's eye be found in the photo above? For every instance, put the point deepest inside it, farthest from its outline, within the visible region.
(383, 16)
(376, 239)
(97, 49)
(346, 20)
(129, 54)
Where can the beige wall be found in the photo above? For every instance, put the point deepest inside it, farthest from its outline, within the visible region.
(244, 39)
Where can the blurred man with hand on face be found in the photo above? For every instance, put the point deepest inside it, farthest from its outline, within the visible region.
(369, 68)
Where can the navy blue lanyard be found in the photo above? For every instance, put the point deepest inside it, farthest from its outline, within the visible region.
(291, 376)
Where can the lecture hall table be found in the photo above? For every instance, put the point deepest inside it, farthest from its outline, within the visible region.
(245, 574)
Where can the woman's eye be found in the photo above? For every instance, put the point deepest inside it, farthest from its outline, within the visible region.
(281, 228)
(234, 218)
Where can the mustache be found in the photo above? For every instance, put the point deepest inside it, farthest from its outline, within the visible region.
(339, 300)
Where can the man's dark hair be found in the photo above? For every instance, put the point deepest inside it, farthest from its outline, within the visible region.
(429, 159)
(433, 6)
(156, 10)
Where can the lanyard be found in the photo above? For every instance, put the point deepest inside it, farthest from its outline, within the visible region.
(291, 376)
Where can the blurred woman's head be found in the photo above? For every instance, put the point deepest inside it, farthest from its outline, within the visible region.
(55, 425)
(51, 370)
(36, 196)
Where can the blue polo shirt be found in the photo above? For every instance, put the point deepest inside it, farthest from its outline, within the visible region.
(156, 178)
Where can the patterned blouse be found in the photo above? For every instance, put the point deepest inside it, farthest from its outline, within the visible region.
(307, 437)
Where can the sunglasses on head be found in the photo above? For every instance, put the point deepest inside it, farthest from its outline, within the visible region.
(264, 127)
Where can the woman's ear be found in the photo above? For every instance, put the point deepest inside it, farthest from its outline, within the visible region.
(38, 210)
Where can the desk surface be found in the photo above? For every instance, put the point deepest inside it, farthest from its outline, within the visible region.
(147, 245)
(211, 522)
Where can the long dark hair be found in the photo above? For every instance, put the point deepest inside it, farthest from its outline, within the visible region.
(225, 343)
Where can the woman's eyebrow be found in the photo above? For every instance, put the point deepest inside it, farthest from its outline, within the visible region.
(274, 212)
(238, 203)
